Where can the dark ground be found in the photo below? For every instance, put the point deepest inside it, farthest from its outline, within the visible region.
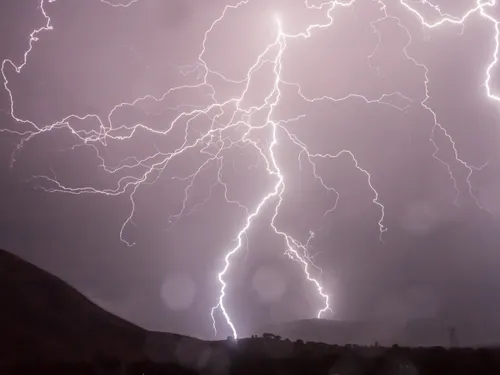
(305, 360)
(48, 327)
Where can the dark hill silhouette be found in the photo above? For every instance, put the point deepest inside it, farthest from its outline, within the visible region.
(42, 317)
(323, 330)
(412, 333)
(48, 327)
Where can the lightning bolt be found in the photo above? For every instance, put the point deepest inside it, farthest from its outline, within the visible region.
(444, 18)
(241, 131)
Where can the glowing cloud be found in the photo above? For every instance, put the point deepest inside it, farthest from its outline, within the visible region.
(215, 142)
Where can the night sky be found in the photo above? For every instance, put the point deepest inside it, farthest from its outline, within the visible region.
(440, 255)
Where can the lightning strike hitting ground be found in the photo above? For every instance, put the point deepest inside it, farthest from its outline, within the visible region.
(216, 142)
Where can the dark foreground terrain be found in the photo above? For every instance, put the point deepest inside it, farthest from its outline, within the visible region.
(47, 327)
(308, 359)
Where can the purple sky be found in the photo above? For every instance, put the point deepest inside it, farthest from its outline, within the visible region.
(440, 254)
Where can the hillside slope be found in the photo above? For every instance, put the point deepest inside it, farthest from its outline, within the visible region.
(42, 317)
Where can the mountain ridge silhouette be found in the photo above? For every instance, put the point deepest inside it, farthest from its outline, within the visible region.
(43, 317)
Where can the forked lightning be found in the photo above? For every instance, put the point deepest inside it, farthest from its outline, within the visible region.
(217, 140)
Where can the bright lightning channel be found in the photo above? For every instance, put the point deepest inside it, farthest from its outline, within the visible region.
(216, 137)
